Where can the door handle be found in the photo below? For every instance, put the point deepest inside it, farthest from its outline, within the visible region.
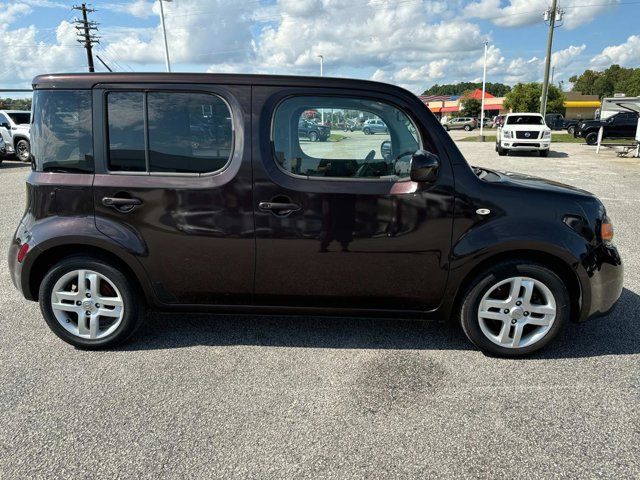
(121, 204)
(279, 208)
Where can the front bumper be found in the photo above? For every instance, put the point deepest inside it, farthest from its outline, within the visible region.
(605, 275)
(520, 144)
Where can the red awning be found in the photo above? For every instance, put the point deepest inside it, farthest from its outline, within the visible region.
(449, 109)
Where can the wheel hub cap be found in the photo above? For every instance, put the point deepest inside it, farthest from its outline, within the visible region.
(517, 313)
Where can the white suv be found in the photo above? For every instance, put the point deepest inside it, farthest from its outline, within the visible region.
(14, 129)
(523, 131)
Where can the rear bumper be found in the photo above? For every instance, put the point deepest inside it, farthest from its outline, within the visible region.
(605, 281)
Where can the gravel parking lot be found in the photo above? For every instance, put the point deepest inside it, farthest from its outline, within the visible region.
(269, 397)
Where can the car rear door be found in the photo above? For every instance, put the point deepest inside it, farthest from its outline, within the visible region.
(338, 223)
(173, 185)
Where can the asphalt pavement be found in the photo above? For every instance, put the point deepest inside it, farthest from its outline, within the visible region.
(222, 396)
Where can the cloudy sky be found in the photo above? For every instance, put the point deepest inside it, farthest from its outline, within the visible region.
(413, 43)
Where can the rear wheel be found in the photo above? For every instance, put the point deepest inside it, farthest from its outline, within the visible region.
(514, 308)
(592, 138)
(23, 150)
(313, 136)
(571, 130)
(467, 128)
(89, 304)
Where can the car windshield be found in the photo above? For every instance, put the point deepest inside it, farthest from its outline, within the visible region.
(20, 118)
(525, 120)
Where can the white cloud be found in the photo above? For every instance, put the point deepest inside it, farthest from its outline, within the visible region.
(626, 54)
(518, 13)
(137, 8)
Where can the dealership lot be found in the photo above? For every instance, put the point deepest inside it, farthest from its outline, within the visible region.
(278, 397)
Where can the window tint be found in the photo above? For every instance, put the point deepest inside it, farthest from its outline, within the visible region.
(343, 138)
(125, 112)
(61, 132)
(188, 132)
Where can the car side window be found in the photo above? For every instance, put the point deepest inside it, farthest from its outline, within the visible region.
(346, 138)
(188, 133)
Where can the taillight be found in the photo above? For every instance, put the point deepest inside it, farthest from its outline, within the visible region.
(23, 252)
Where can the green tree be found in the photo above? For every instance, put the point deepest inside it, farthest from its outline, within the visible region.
(496, 89)
(525, 97)
(614, 79)
(15, 104)
(471, 107)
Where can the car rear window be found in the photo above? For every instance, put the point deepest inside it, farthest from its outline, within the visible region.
(525, 120)
(20, 118)
(61, 131)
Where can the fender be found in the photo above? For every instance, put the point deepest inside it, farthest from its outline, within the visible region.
(550, 239)
(53, 232)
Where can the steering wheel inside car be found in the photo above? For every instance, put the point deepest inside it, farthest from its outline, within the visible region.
(362, 169)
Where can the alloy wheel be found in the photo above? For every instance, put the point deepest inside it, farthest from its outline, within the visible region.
(517, 312)
(87, 304)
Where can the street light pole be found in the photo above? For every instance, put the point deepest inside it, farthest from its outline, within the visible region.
(164, 35)
(321, 57)
(484, 87)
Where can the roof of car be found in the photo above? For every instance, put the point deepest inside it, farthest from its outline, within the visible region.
(15, 111)
(524, 113)
(89, 80)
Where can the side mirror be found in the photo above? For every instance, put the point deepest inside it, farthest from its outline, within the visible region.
(5, 125)
(424, 167)
(385, 150)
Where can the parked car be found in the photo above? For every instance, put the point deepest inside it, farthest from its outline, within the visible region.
(3, 149)
(313, 131)
(488, 123)
(14, 129)
(523, 132)
(125, 213)
(620, 125)
(498, 120)
(555, 121)
(461, 123)
(373, 126)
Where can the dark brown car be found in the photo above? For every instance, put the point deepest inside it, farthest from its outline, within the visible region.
(195, 192)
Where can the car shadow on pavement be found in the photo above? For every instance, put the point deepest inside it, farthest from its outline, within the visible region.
(552, 154)
(615, 334)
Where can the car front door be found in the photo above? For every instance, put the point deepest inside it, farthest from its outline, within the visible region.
(339, 224)
(173, 185)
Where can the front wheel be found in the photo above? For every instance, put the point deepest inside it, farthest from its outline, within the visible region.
(89, 304)
(501, 151)
(313, 136)
(544, 153)
(467, 128)
(571, 130)
(514, 308)
(23, 150)
(592, 138)
(366, 131)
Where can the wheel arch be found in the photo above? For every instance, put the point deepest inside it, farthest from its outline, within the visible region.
(49, 257)
(20, 136)
(556, 264)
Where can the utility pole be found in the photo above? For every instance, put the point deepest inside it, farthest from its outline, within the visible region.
(484, 89)
(321, 57)
(552, 14)
(164, 35)
(83, 30)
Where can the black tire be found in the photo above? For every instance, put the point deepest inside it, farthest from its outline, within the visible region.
(23, 150)
(482, 283)
(366, 131)
(502, 151)
(313, 136)
(467, 128)
(592, 138)
(133, 307)
(571, 130)
(544, 153)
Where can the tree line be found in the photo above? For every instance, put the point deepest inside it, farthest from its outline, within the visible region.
(15, 104)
